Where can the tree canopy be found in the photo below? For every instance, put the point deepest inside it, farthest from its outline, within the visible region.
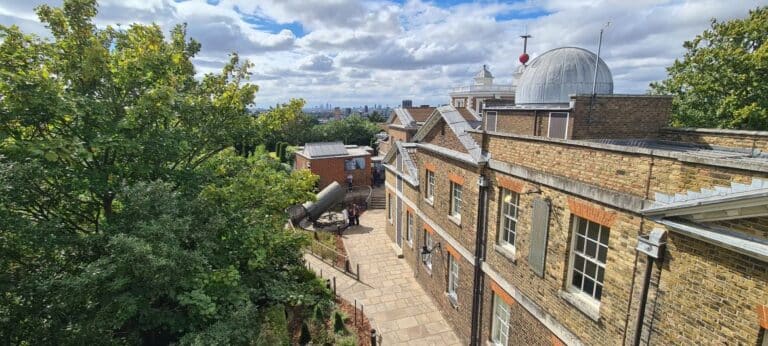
(720, 81)
(125, 215)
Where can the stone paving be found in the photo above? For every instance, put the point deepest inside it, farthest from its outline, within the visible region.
(394, 302)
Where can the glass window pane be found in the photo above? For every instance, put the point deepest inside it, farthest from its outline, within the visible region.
(590, 269)
(593, 230)
(602, 254)
(579, 244)
(600, 274)
(591, 249)
(579, 265)
(582, 226)
(589, 285)
(598, 292)
(604, 232)
(576, 280)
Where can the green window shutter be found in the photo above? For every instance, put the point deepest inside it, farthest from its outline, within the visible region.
(539, 228)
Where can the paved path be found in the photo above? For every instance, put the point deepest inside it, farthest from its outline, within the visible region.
(394, 302)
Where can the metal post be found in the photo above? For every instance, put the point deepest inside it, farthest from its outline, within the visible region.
(334, 285)
(346, 265)
(373, 337)
(355, 312)
(328, 284)
(362, 313)
(358, 272)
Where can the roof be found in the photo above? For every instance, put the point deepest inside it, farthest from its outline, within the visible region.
(322, 149)
(714, 203)
(560, 72)
(420, 114)
(459, 125)
(484, 73)
(332, 149)
(468, 114)
(409, 171)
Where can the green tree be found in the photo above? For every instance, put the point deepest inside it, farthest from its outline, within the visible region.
(377, 117)
(125, 214)
(350, 130)
(720, 81)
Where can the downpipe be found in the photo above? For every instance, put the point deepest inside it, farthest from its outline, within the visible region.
(480, 245)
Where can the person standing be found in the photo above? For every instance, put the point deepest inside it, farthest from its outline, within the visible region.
(356, 210)
(351, 213)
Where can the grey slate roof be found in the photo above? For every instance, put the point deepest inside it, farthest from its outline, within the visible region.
(459, 125)
(324, 149)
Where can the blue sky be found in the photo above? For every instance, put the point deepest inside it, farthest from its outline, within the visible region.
(355, 52)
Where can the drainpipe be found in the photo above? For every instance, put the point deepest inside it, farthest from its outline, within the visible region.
(653, 246)
(480, 244)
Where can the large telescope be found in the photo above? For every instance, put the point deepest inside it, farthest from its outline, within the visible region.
(326, 199)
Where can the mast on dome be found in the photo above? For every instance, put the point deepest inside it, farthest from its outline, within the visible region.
(524, 57)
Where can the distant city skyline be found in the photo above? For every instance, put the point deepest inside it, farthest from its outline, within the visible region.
(350, 52)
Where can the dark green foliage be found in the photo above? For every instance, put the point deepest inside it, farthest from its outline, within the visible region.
(377, 117)
(274, 328)
(305, 337)
(126, 216)
(350, 130)
(721, 80)
(338, 323)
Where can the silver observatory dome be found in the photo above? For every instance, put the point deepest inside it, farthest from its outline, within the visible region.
(560, 72)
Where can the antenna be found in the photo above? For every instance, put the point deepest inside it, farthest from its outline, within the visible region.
(594, 79)
(597, 59)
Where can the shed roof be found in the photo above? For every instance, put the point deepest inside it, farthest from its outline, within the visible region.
(323, 149)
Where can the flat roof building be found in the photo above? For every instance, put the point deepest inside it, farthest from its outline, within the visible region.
(334, 161)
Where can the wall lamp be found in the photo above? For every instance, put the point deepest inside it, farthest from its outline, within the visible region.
(427, 251)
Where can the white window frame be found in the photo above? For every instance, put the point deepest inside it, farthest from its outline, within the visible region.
(430, 188)
(495, 120)
(427, 258)
(500, 322)
(389, 210)
(409, 227)
(456, 200)
(578, 254)
(567, 122)
(506, 218)
(453, 279)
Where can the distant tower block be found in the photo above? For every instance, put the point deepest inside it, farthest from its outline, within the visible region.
(407, 103)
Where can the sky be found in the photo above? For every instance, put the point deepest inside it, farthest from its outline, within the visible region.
(360, 52)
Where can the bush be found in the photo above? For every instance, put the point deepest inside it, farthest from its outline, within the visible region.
(274, 328)
(349, 340)
(338, 323)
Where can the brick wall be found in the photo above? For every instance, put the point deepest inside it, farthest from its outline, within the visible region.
(545, 291)
(620, 116)
(724, 138)
(756, 227)
(442, 135)
(524, 328)
(465, 232)
(708, 295)
(519, 122)
(436, 283)
(332, 169)
(615, 170)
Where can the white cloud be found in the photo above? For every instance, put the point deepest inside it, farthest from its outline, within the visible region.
(377, 51)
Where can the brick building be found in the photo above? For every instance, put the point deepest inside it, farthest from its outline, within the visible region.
(570, 218)
(334, 161)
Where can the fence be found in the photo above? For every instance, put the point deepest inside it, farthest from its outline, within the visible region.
(333, 258)
(358, 308)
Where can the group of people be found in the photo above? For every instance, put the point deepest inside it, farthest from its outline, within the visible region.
(352, 214)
